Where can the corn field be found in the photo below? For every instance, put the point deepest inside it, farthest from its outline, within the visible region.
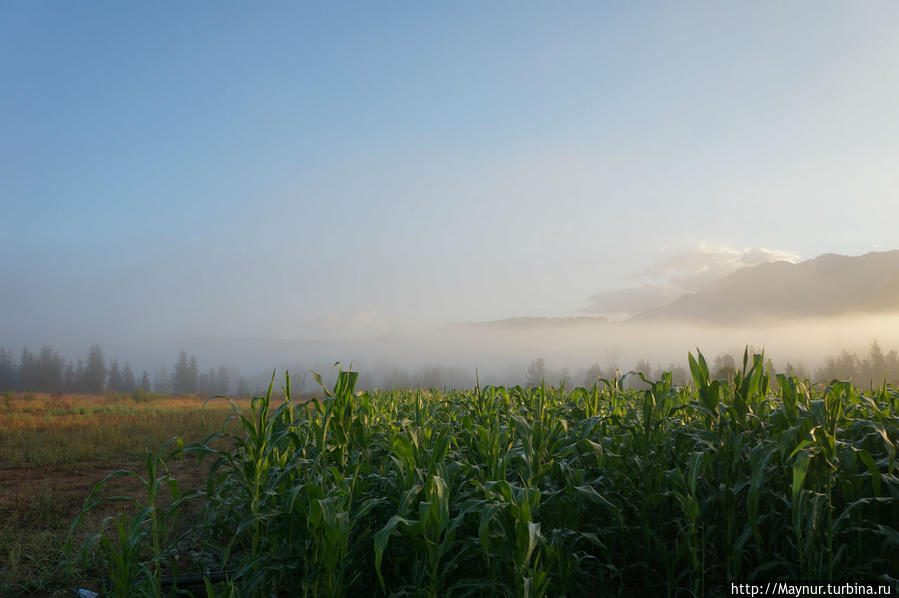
(495, 491)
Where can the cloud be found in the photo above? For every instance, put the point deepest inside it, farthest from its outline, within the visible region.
(683, 272)
(692, 270)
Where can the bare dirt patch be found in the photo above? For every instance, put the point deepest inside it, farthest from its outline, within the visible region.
(38, 506)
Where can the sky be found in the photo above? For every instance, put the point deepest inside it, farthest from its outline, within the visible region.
(283, 170)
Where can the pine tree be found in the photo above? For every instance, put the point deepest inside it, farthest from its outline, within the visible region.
(192, 374)
(115, 377)
(49, 370)
(243, 389)
(80, 377)
(128, 383)
(145, 380)
(207, 384)
(95, 371)
(8, 371)
(185, 377)
(27, 371)
(181, 374)
(70, 382)
(162, 380)
(222, 381)
(203, 384)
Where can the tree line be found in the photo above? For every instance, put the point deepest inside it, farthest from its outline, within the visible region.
(47, 371)
(874, 368)
(871, 369)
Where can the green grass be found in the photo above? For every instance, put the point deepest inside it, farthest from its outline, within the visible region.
(494, 491)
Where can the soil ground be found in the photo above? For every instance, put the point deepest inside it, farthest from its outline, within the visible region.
(37, 508)
(40, 500)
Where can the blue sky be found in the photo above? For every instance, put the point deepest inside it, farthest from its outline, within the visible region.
(171, 170)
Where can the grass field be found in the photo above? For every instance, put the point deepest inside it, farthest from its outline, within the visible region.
(54, 448)
(494, 491)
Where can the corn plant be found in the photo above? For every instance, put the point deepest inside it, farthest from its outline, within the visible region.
(136, 550)
(495, 491)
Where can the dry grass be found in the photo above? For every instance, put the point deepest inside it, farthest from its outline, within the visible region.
(54, 448)
(68, 430)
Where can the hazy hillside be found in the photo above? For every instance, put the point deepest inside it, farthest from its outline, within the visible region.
(828, 285)
(529, 323)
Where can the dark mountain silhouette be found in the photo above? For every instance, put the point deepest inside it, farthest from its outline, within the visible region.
(829, 285)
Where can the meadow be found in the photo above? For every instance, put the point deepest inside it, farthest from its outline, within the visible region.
(659, 491)
(53, 450)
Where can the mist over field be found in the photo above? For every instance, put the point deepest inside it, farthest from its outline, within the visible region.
(501, 354)
(262, 188)
(789, 309)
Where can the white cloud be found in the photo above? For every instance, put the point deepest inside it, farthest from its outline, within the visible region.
(679, 273)
(693, 269)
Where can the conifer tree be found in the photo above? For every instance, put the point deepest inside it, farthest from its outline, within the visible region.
(95, 371)
(222, 381)
(115, 377)
(128, 383)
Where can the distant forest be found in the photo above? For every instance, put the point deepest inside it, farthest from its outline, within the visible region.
(869, 370)
(47, 371)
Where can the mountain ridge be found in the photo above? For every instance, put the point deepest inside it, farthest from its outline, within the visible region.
(828, 285)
